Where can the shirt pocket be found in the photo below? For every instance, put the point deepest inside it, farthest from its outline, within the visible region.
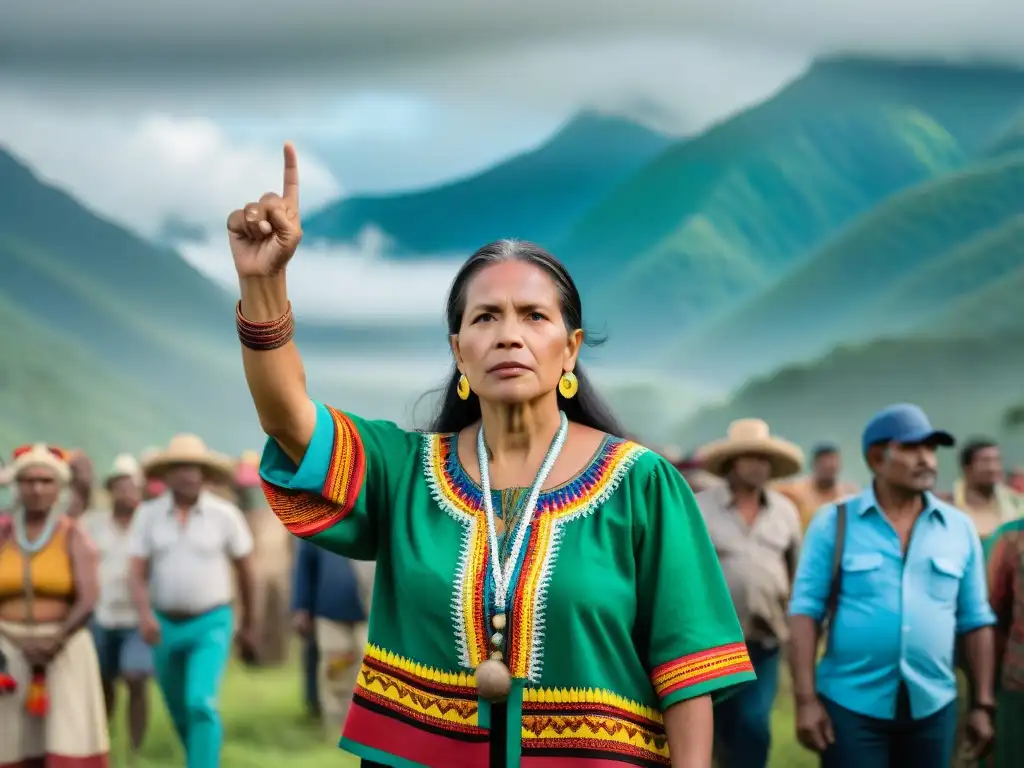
(773, 538)
(860, 574)
(944, 578)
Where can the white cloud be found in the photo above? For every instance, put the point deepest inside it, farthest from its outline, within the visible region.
(139, 170)
(244, 34)
(353, 283)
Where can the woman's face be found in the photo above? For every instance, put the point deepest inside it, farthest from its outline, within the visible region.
(513, 345)
(38, 489)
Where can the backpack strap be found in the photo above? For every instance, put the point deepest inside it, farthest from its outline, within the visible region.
(832, 605)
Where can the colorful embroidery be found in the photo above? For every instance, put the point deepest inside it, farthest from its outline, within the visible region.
(460, 497)
(306, 514)
(701, 667)
(418, 694)
(594, 722)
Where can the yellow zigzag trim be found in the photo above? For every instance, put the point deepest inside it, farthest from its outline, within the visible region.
(589, 696)
(420, 671)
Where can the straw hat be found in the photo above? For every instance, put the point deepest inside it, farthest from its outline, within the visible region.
(125, 465)
(37, 455)
(188, 449)
(751, 436)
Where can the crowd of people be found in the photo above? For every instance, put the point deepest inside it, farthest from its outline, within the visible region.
(545, 590)
(156, 590)
(156, 574)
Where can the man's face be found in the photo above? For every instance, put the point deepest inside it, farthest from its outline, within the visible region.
(986, 468)
(125, 494)
(913, 467)
(81, 470)
(185, 480)
(753, 470)
(826, 467)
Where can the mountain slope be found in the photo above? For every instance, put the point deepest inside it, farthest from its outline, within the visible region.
(535, 196)
(995, 309)
(972, 103)
(759, 211)
(940, 287)
(152, 281)
(1009, 142)
(58, 394)
(823, 301)
(965, 385)
(139, 312)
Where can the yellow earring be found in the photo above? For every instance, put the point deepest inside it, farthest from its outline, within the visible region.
(462, 388)
(568, 385)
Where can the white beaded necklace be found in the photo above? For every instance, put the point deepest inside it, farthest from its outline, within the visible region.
(503, 576)
(21, 534)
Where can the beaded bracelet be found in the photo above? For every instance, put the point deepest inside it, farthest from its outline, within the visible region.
(265, 336)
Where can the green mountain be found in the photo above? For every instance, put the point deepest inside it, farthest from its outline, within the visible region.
(1009, 142)
(936, 297)
(137, 312)
(535, 195)
(965, 385)
(667, 232)
(58, 394)
(888, 270)
(760, 211)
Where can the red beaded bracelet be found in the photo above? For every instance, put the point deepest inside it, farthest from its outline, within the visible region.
(265, 336)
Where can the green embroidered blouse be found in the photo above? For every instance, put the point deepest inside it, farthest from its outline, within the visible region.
(618, 604)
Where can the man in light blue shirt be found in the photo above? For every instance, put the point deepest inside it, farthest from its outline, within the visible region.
(911, 578)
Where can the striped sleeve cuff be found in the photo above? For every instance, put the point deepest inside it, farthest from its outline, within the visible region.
(697, 674)
(323, 489)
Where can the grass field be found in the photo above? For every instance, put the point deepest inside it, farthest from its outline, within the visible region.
(265, 727)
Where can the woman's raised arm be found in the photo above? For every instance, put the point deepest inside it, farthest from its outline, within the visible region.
(264, 236)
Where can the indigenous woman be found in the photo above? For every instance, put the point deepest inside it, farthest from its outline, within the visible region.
(546, 591)
(51, 698)
(1006, 592)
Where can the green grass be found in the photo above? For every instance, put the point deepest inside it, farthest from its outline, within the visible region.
(265, 727)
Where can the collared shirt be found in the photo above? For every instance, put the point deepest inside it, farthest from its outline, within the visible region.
(114, 609)
(755, 558)
(326, 585)
(190, 564)
(1004, 506)
(898, 615)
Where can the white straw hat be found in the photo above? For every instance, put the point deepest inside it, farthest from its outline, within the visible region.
(188, 449)
(751, 436)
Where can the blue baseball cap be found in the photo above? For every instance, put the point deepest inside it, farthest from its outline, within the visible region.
(903, 423)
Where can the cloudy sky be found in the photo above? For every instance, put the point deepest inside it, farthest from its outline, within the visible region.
(147, 111)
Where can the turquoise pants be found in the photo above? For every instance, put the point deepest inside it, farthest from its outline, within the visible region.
(190, 662)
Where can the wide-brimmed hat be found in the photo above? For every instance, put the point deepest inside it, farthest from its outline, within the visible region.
(36, 455)
(751, 436)
(125, 465)
(188, 449)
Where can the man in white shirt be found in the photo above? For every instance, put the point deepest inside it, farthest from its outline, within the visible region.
(187, 547)
(123, 654)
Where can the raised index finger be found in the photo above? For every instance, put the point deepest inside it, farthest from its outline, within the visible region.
(290, 191)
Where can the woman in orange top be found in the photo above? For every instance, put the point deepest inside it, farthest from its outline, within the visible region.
(51, 698)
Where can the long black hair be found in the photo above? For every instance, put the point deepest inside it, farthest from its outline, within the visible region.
(587, 407)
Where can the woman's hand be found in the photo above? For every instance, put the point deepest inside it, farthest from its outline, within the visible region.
(264, 235)
(39, 652)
